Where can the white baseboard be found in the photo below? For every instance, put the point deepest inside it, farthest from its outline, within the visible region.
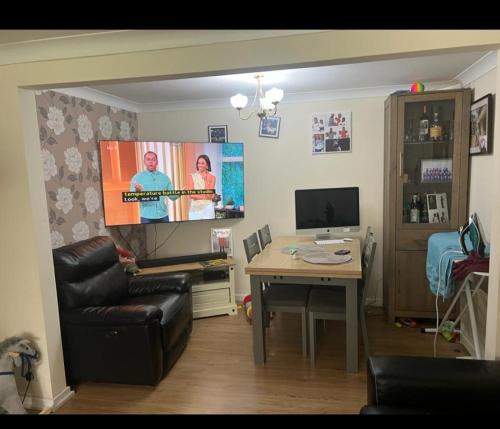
(40, 403)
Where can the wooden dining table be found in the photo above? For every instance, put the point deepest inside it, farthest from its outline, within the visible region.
(275, 264)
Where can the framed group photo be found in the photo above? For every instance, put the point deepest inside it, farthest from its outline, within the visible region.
(270, 127)
(331, 132)
(221, 240)
(481, 126)
(217, 133)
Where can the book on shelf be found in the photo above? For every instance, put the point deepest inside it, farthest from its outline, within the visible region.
(214, 263)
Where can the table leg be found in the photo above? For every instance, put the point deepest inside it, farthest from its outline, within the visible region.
(351, 294)
(259, 334)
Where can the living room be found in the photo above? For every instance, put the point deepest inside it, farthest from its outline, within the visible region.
(274, 167)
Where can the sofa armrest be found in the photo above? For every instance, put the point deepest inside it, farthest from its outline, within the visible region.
(438, 384)
(112, 315)
(159, 283)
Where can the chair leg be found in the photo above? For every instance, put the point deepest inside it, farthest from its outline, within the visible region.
(304, 332)
(312, 338)
(364, 331)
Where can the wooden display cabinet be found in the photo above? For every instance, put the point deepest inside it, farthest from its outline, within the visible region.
(425, 190)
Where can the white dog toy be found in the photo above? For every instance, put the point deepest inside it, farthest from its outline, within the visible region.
(14, 351)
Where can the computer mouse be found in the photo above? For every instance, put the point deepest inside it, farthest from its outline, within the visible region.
(342, 252)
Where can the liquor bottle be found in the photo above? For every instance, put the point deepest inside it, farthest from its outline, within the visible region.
(423, 126)
(414, 210)
(436, 129)
(416, 175)
(425, 212)
(452, 126)
(409, 137)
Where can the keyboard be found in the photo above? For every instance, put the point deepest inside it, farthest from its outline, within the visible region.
(320, 242)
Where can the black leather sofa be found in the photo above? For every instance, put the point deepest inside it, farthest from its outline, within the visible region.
(424, 385)
(118, 328)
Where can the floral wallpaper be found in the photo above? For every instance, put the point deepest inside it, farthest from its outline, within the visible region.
(70, 129)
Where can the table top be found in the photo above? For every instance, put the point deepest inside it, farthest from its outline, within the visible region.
(272, 260)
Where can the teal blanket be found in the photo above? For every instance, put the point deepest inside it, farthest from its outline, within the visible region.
(443, 248)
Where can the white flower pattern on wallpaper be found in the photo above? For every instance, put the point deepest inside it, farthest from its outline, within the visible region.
(91, 199)
(49, 164)
(73, 159)
(64, 200)
(124, 130)
(69, 201)
(56, 239)
(105, 126)
(101, 229)
(56, 120)
(95, 160)
(81, 231)
(85, 128)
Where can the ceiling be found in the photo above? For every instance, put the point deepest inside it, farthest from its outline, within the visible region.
(431, 70)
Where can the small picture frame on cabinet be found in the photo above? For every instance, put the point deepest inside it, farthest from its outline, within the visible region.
(221, 240)
(437, 207)
(481, 126)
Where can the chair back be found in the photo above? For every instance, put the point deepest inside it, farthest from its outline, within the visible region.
(367, 257)
(368, 254)
(265, 236)
(251, 245)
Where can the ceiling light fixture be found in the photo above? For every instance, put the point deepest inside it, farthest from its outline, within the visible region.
(268, 103)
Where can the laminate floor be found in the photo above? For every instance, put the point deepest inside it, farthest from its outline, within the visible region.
(216, 373)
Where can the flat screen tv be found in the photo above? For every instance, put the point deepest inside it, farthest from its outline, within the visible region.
(326, 211)
(154, 182)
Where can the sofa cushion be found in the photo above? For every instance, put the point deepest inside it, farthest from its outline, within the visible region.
(177, 313)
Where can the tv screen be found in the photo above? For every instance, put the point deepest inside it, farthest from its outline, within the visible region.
(153, 182)
(322, 209)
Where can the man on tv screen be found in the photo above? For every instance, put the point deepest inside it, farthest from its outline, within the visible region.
(152, 180)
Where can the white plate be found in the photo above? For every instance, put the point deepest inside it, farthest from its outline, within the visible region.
(327, 258)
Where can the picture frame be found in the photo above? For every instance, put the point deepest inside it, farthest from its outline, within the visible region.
(270, 127)
(217, 133)
(221, 240)
(481, 126)
(331, 132)
(436, 170)
(437, 208)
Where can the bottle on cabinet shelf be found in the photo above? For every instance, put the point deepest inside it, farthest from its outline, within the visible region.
(409, 137)
(414, 209)
(436, 129)
(423, 126)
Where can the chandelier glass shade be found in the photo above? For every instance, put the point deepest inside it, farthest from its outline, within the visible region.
(268, 102)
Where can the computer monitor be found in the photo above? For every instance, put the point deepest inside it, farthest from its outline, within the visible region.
(326, 212)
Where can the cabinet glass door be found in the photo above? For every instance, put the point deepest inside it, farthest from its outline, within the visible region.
(427, 161)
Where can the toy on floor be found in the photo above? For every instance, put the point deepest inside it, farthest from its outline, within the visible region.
(14, 352)
(247, 305)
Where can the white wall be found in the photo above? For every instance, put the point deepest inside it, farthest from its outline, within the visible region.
(481, 166)
(274, 168)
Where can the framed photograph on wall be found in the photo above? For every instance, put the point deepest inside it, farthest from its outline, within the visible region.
(331, 132)
(270, 127)
(217, 133)
(221, 240)
(481, 126)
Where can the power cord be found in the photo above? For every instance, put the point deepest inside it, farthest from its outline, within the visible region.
(437, 296)
(164, 241)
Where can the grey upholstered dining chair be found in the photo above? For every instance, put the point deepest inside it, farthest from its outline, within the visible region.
(281, 297)
(264, 236)
(329, 303)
